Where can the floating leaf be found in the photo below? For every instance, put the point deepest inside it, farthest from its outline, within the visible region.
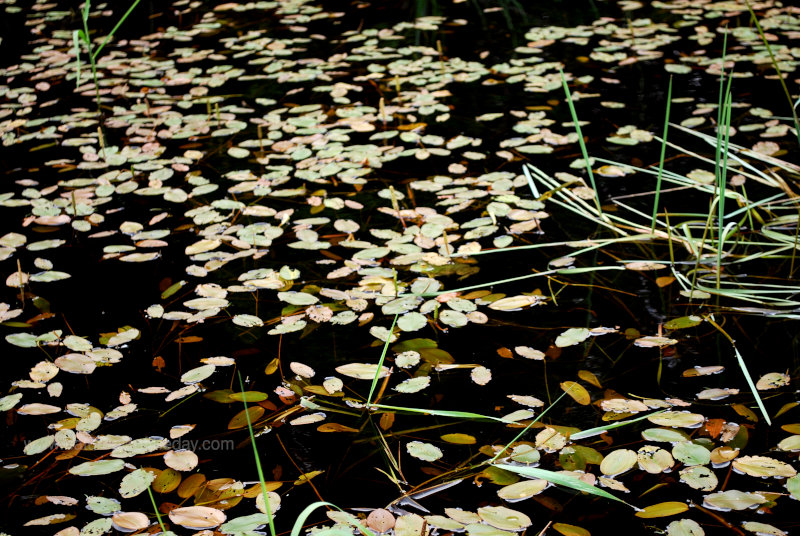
(459, 439)
(480, 529)
(513, 303)
(135, 483)
(663, 509)
(380, 520)
(39, 445)
(690, 453)
(248, 524)
(248, 321)
(678, 419)
(773, 380)
(301, 369)
(762, 529)
(76, 363)
(683, 322)
(362, 371)
(129, 521)
(522, 489)
(578, 392)
(97, 527)
(789, 444)
(442, 523)
(100, 467)
(462, 516)
(702, 371)
(197, 517)
(297, 298)
(240, 419)
(560, 479)
(504, 518)
(570, 530)
(412, 321)
(9, 401)
(413, 385)
(685, 527)
(198, 374)
(102, 505)
(481, 375)
(618, 461)
(452, 318)
(654, 342)
(332, 384)
(654, 459)
(572, 337)
(733, 500)
(763, 466)
(699, 477)
(181, 460)
(142, 445)
(409, 525)
(311, 418)
(37, 408)
(529, 353)
(424, 451)
(793, 486)
(589, 377)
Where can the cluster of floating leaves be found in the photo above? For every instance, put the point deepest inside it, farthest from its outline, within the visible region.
(313, 172)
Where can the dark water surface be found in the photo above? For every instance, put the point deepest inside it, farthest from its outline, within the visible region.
(105, 294)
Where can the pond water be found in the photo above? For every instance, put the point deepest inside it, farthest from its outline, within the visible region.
(379, 221)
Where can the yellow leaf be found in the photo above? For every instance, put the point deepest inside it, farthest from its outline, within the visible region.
(240, 419)
(578, 392)
(786, 407)
(255, 490)
(745, 412)
(588, 377)
(272, 367)
(197, 517)
(166, 481)
(663, 509)
(570, 530)
(793, 428)
(335, 427)
(191, 485)
(459, 439)
(305, 477)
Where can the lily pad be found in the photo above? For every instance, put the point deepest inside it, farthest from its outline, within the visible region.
(362, 371)
(100, 467)
(504, 518)
(424, 451)
(413, 385)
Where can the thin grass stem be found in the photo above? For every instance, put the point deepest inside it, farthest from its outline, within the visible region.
(581, 142)
(661, 158)
(261, 479)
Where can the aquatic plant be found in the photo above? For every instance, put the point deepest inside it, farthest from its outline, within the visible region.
(413, 261)
(84, 36)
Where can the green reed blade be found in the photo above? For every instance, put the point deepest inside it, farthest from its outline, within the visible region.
(383, 358)
(525, 430)
(116, 27)
(591, 432)
(155, 509)
(562, 479)
(581, 142)
(301, 519)
(777, 68)
(77, 47)
(261, 479)
(661, 159)
(744, 370)
(442, 413)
